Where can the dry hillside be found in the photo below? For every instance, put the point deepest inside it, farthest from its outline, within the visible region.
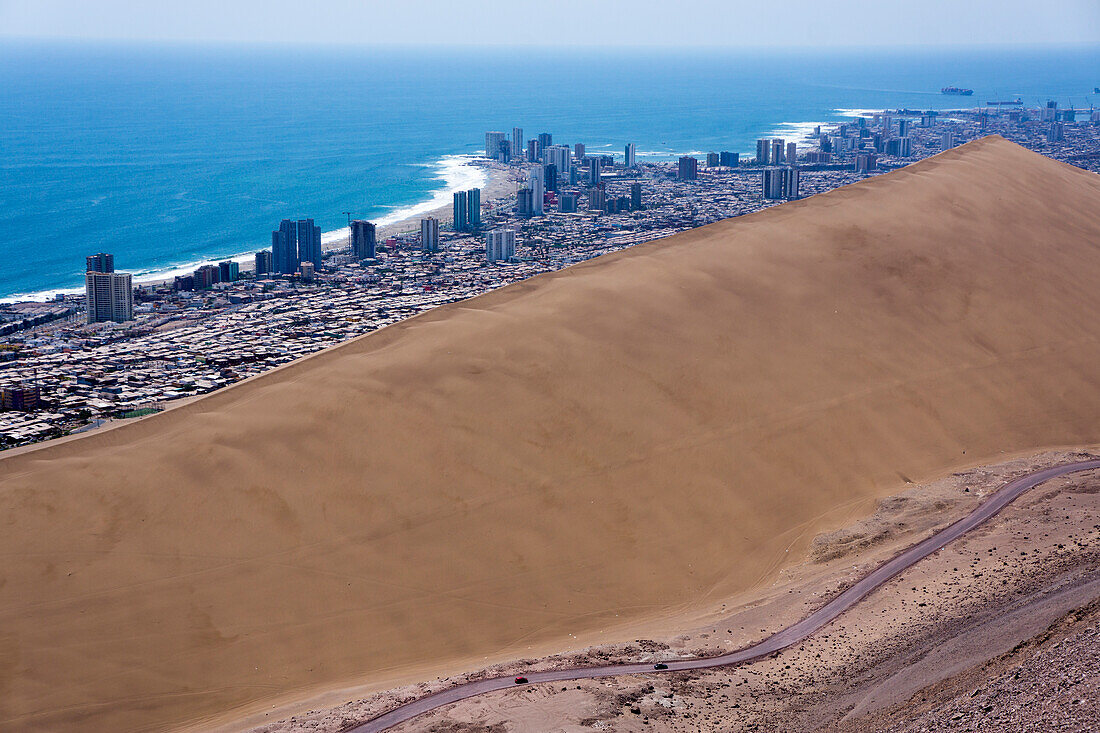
(535, 468)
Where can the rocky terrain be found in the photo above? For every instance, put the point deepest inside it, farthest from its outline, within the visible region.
(998, 631)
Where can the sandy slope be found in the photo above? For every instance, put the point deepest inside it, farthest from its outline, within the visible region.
(621, 441)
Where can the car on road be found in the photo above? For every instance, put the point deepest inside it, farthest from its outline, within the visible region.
(521, 680)
(660, 665)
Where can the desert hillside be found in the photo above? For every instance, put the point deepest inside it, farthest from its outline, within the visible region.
(618, 442)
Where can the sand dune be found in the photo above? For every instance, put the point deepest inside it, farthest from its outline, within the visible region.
(619, 442)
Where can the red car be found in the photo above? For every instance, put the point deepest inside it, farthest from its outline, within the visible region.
(521, 680)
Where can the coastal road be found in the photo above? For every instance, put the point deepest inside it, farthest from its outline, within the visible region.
(777, 642)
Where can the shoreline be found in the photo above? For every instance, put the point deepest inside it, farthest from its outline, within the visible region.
(496, 181)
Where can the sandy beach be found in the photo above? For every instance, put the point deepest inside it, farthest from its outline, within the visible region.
(591, 456)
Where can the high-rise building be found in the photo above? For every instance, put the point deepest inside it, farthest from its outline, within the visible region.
(636, 196)
(206, 276)
(110, 296)
(1056, 132)
(947, 140)
(309, 242)
(306, 270)
(628, 155)
(545, 140)
(712, 160)
(265, 263)
(567, 203)
(595, 166)
(597, 197)
(284, 247)
(887, 126)
(763, 151)
(792, 153)
(550, 176)
(903, 127)
(101, 262)
(364, 243)
(538, 190)
(781, 183)
(773, 183)
(865, 162)
(473, 207)
(429, 234)
(492, 144)
(500, 244)
(899, 147)
(778, 145)
(578, 151)
(688, 168)
(461, 213)
(524, 202)
(728, 159)
(228, 271)
(533, 151)
(517, 142)
(557, 155)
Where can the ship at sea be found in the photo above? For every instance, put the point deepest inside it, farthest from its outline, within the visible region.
(1011, 103)
(957, 90)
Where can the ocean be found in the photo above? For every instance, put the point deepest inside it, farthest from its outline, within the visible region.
(170, 157)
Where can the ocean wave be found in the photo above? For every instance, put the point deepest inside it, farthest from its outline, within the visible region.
(456, 173)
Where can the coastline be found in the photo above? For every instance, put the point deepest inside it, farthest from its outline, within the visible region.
(457, 172)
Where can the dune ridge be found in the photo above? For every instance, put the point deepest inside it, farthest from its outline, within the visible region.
(622, 441)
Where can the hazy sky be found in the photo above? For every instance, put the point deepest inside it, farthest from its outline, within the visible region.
(733, 23)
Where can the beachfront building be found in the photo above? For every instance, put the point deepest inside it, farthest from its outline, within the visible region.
(792, 153)
(309, 242)
(578, 151)
(687, 168)
(628, 155)
(100, 262)
(492, 144)
(500, 244)
(461, 213)
(473, 206)
(429, 234)
(295, 242)
(363, 239)
(228, 271)
(778, 146)
(728, 159)
(284, 247)
(763, 151)
(546, 139)
(517, 142)
(110, 296)
(533, 151)
(712, 160)
(265, 263)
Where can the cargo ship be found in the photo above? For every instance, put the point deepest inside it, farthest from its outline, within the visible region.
(957, 90)
(1014, 103)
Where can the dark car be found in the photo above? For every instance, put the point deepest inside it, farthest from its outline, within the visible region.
(521, 680)
(660, 665)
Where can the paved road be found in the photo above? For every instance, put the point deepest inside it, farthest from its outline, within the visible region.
(778, 641)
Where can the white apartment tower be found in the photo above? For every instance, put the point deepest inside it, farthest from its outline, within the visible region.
(500, 244)
(110, 296)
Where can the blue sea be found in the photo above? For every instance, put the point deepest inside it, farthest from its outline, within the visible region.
(169, 157)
